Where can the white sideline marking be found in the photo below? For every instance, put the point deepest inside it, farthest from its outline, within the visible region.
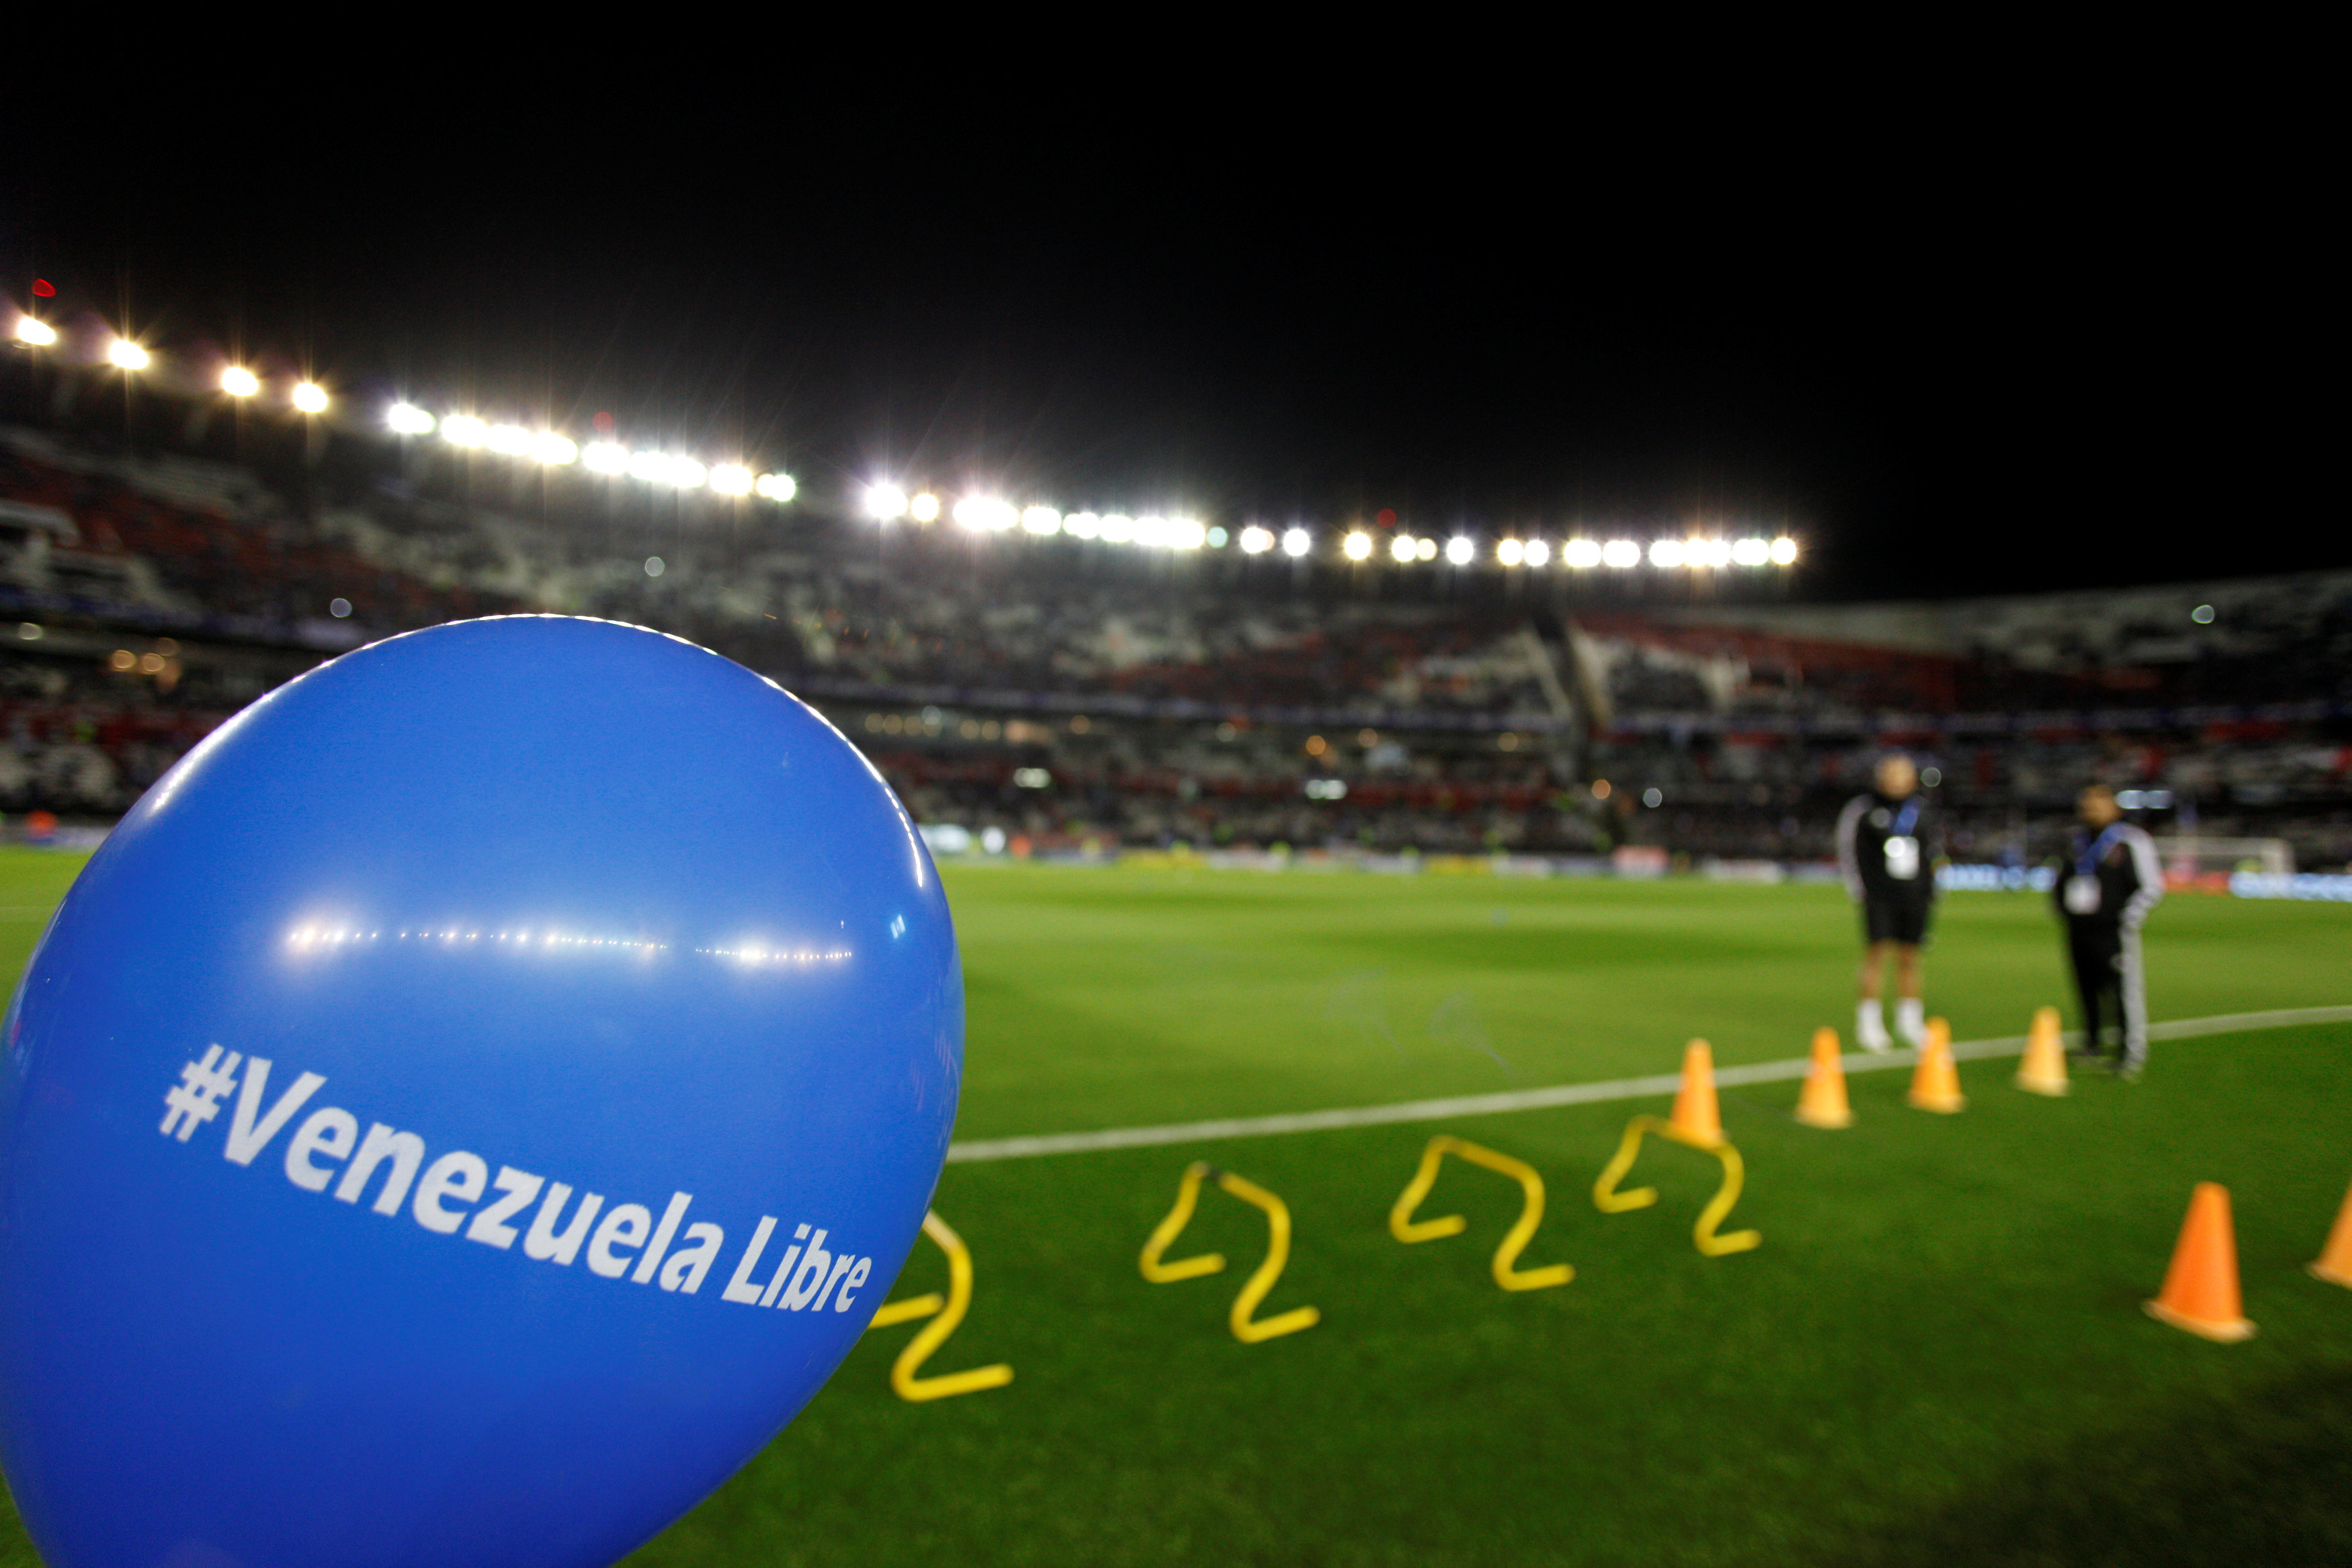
(1564, 1093)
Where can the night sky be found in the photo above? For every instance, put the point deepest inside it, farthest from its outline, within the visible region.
(1946, 368)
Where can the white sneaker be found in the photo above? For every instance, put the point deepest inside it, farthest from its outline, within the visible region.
(1911, 1022)
(1869, 1028)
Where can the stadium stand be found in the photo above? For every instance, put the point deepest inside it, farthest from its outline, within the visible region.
(1076, 706)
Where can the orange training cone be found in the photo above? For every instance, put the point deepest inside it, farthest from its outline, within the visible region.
(1936, 1082)
(2043, 1069)
(2200, 1289)
(1822, 1105)
(1694, 1108)
(2335, 1264)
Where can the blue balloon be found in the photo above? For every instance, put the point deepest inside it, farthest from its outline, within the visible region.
(465, 1109)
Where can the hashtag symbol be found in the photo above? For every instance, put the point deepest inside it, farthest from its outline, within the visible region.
(194, 1100)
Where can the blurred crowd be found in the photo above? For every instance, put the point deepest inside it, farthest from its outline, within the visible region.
(1072, 700)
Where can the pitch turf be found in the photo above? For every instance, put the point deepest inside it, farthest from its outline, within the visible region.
(1937, 1354)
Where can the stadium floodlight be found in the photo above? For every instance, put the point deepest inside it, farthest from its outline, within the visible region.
(310, 397)
(1751, 552)
(1257, 540)
(1118, 527)
(408, 419)
(885, 503)
(1620, 554)
(686, 474)
(1538, 553)
(33, 330)
(1460, 551)
(464, 430)
(1665, 552)
(1718, 553)
(239, 381)
(1082, 524)
(1297, 542)
(604, 456)
(555, 451)
(1357, 545)
(1041, 520)
(651, 467)
(777, 487)
(1582, 554)
(732, 479)
(1151, 531)
(1402, 546)
(127, 354)
(1510, 552)
(508, 440)
(1426, 549)
(1784, 551)
(1186, 533)
(924, 508)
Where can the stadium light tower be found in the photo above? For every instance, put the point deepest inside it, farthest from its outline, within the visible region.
(777, 487)
(1358, 545)
(1667, 553)
(1297, 542)
(127, 355)
(1402, 546)
(32, 329)
(1784, 551)
(1460, 552)
(732, 479)
(310, 397)
(408, 419)
(464, 430)
(924, 508)
(239, 381)
(1538, 553)
(1257, 540)
(1042, 520)
(1583, 554)
(1509, 552)
(885, 503)
(1620, 555)
(555, 451)
(1751, 552)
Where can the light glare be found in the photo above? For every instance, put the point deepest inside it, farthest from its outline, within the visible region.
(1510, 552)
(310, 397)
(1082, 524)
(1538, 553)
(408, 419)
(1751, 552)
(464, 430)
(606, 457)
(885, 502)
(777, 487)
(1784, 551)
(1582, 554)
(556, 451)
(1118, 527)
(1257, 540)
(1666, 552)
(33, 330)
(1620, 554)
(1358, 545)
(732, 479)
(1459, 551)
(1042, 520)
(239, 381)
(1297, 542)
(1402, 546)
(924, 508)
(122, 352)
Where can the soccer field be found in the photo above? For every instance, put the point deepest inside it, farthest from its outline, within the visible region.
(1937, 1354)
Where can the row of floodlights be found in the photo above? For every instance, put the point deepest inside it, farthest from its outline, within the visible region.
(465, 430)
(984, 514)
(124, 354)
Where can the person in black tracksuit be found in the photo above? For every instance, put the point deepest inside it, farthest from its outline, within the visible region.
(2107, 883)
(1887, 844)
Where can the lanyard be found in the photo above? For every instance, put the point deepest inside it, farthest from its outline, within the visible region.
(1906, 820)
(2087, 863)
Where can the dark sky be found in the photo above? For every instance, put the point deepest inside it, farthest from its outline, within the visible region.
(1948, 362)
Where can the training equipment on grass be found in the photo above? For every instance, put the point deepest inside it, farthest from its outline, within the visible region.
(1936, 1082)
(1696, 1124)
(463, 1111)
(2043, 1069)
(1694, 1109)
(945, 1316)
(1822, 1103)
(1277, 1253)
(1404, 1227)
(2201, 1288)
(2335, 1261)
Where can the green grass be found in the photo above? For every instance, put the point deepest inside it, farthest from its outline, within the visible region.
(1937, 1354)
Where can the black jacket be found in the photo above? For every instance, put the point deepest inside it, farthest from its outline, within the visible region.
(1888, 850)
(2122, 883)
